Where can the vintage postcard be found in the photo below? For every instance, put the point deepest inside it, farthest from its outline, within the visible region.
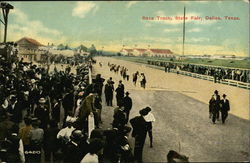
(124, 81)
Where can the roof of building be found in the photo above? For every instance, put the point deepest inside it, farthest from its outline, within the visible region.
(141, 50)
(128, 50)
(30, 40)
(161, 51)
(157, 51)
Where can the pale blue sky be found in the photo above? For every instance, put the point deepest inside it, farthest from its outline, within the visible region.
(117, 23)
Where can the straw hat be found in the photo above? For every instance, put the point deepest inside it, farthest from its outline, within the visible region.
(42, 100)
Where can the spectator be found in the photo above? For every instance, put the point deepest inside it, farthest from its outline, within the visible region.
(36, 141)
(92, 156)
(51, 143)
(5, 124)
(127, 103)
(109, 88)
(119, 93)
(42, 112)
(225, 108)
(139, 126)
(14, 146)
(149, 118)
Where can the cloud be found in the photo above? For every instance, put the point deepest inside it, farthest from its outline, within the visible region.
(171, 30)
(194, 30)
(83, 8)
(198, 39)
(131, 3)
(33, 25)
(24, 26)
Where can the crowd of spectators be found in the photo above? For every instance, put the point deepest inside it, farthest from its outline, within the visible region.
(35, 103)
(219, 73)
(55, 115)
(47, 115)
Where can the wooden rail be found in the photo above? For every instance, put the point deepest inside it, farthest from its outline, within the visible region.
(210, 78)
(91, 122)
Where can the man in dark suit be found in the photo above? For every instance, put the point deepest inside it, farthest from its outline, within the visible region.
(225, 107)
(119, 93)
(98, 84)
(68, 102)
(139, 133)
(14, 109)
(127, 103)
(109, 88)
(217, 104)
(42, 112)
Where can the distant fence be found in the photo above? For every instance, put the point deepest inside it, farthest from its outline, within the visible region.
(211, 78)
(163, 63)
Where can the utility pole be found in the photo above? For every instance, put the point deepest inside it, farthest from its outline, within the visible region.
(183, 32)
(5, 10)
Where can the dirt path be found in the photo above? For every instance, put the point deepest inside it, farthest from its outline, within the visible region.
(180, 106)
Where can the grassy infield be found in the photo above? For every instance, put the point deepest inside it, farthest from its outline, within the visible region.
(245, 64)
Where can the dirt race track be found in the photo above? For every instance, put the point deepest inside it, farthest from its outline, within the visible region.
(180, 105)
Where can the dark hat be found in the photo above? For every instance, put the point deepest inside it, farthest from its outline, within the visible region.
(224, 95)
(127, 93)
(143, 112)
(148, 109)
(35, 122)
(126, 129)
(77, 135)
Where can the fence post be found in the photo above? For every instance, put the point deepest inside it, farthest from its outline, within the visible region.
(91, 123)
(90, 76)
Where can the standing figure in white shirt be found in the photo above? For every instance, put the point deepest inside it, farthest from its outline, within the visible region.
(149, 118)
(65, 133)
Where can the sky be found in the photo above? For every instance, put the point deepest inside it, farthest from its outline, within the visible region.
(112, 24)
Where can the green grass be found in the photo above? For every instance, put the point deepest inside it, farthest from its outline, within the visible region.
(245, 64)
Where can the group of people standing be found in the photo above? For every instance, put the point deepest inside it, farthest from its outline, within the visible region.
(217, 106)
(124, 73)
(219, 73)
(42, 99)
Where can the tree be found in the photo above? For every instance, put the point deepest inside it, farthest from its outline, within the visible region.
(92, 50)
(82, 48)
(60, 47)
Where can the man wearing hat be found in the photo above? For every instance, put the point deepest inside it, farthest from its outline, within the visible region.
(42, 113)
(139, 132)
(109, 88)
(14, 109)
(127, 103)
(225, 107)
(119, 93)
(149, 118)
(217, 104)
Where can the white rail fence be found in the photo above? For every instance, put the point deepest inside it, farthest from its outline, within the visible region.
(211, 78)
